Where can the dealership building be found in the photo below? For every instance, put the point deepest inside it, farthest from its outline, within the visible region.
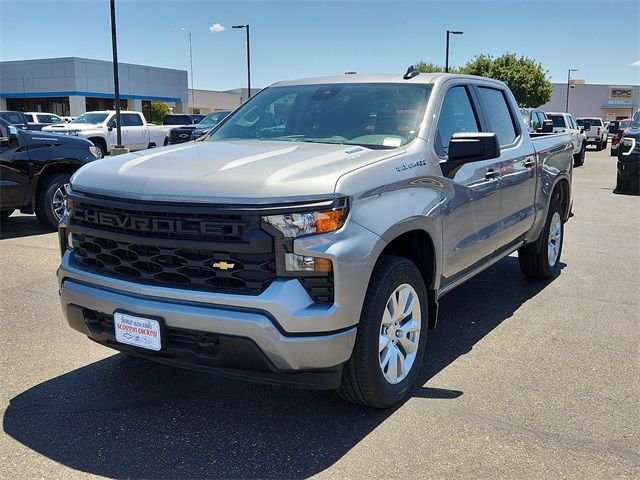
(609, 102)
(71, 86)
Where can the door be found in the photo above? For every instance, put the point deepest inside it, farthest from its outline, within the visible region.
(135, 135)
(471, 205)
(517, 164)
(15, 169)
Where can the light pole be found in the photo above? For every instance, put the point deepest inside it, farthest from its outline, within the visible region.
(248, 60)
(193, 101)
(116, 80)
(568, 87)
(450, 32)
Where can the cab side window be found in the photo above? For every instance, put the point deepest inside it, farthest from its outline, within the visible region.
(131, 120)
(457, 115)
(499, 115)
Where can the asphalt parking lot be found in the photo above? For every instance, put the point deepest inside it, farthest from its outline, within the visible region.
(522, 380)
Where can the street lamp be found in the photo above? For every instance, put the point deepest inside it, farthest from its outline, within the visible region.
(568, 87)
(248, 60)
(450, 32)
(116, 81)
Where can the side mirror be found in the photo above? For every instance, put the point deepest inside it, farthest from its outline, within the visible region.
(110, 128)
(12, 139)
(547, 126)
(581, 129)
(466, 147)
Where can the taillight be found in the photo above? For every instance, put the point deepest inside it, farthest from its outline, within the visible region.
(598, 132)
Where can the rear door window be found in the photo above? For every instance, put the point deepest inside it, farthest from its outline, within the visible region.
(457, 115)
(131, 120)
(499, 115)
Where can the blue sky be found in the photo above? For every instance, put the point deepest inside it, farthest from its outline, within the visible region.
(311, 38)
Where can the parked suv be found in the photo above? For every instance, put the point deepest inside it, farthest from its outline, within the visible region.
(564, 122)
(595, 130)
(193, 132)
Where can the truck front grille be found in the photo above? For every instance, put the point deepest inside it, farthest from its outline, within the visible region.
(179, 136)
(208, 269)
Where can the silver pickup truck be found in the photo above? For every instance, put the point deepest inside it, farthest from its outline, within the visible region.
(307, 240)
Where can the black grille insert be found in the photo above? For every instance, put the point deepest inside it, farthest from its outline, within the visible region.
(247, 273)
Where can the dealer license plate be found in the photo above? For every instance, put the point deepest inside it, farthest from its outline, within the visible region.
(137, 331)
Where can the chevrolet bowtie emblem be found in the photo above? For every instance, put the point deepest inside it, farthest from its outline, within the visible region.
(223, 265)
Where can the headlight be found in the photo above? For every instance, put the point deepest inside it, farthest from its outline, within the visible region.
(289, 226)
(94, 150)
(293, 225)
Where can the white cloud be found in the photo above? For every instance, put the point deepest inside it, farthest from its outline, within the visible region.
(636, 63)
(217, 27)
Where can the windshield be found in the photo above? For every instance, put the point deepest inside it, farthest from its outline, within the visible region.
(177, 120)
(213, 118)
(374, 115)
(92, 118)
(558, 120)
(635, 124)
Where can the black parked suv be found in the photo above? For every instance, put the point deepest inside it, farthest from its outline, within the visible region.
(192, 132)
(182, 119)
(35, 168)
(628, 179)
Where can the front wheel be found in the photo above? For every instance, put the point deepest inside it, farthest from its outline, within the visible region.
(51, 199)
(544, 264)
(391, 337)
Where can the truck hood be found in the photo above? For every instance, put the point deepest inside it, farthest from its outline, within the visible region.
(249, 172)
(71, 126)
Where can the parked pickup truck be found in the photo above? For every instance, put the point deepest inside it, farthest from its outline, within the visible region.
(39, 120)
(314, 252)
(35, 168)
(595, 130)
(566, 123)
(100, 128)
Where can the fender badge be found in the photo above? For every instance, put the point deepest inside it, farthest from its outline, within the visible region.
(223, 265)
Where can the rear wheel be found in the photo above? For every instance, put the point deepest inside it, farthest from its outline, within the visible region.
(391, 336)
(599, 145)
(51, 198)
(578, 159)
(101, 147)
(545, 263)
(613, 152)
(4, 214)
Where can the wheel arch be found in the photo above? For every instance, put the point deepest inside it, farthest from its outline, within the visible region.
(416, 243)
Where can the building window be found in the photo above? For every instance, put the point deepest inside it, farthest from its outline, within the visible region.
(96, 104)
(57, 105)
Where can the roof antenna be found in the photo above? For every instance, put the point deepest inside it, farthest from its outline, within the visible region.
(411, 72)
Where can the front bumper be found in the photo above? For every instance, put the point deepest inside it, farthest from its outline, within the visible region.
(289, 331)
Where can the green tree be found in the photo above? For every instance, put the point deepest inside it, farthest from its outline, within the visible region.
(428, 67)
(159, 110)
(526, 78)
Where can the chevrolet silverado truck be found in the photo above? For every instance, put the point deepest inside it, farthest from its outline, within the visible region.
(628, 177)
(308, 239)
(100, 128)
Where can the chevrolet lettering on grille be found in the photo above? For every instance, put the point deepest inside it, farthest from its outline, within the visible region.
(152, 224)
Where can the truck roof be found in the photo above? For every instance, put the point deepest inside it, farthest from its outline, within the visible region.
(423, 78)
(113, 111)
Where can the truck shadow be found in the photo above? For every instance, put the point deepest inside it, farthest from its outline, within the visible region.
(17, 226)
(126, 417)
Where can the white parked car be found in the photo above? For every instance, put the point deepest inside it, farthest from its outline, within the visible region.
(39, 120)
(596, 131)
(565, 122)
(100, 128)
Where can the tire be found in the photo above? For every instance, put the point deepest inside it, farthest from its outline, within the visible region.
(50, 198)
(545, 264)
(578, 160)
(365, 375)
(613, 153)
(599, 145)
(4, 214)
